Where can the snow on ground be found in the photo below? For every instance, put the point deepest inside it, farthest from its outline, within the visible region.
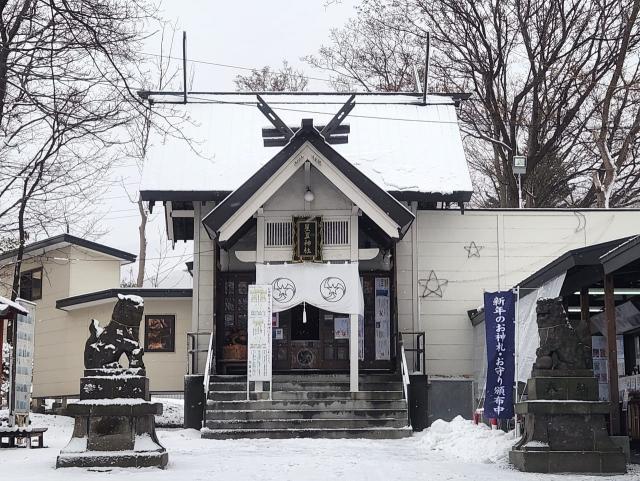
(469, 442)
(453, 451)
(172, 412)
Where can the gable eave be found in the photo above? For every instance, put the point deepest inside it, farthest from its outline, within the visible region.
(221, 215)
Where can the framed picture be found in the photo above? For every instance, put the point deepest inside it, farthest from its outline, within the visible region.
(160, 333)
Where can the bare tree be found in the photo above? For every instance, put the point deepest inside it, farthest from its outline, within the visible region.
(618, 114)
(267, 79)
(67, 74)
(370, 54)
(536, 69)
(161, 76)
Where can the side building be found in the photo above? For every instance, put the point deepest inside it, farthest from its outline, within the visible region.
(72, 281)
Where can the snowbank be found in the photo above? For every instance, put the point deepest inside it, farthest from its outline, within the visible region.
(469, 442)
(172, 412)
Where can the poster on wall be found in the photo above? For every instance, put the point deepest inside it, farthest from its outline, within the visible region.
(383, 319)
(259, 333)
(341, 327)
(601, 363)
(21, 371)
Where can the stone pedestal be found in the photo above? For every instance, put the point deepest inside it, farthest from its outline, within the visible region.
(565, 426)
(114, 422)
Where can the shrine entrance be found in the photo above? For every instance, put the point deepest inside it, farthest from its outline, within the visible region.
(321, 344)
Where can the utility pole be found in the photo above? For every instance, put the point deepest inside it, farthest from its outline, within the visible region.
(426, 70)
(184, 66)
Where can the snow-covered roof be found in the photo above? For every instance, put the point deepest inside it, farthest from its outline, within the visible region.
(396, 141)
(7, 304)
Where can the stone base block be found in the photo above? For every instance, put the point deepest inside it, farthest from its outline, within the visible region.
(563, 388)
(561, 373)
(568, 461)
(111, 387)
(121, 459)
(114, 432)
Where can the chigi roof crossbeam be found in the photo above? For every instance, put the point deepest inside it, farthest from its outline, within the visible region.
(334, 132)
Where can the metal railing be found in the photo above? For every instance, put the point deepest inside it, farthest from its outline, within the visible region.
(193, 350)
(207, 369)
(413, 343)
(404, 369)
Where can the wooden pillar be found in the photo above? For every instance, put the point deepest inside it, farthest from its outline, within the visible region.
(353, 353)
(584, 304)
(612, 353)
(353, 318)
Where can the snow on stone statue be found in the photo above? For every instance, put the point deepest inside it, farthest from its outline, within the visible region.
(115, 417)
(106, 345)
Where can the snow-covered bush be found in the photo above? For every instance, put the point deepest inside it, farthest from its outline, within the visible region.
(4, 386)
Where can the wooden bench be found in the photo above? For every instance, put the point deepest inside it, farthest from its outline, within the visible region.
(8, 436)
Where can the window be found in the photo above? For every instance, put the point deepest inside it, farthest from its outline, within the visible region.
(159, 333)
(31, 285)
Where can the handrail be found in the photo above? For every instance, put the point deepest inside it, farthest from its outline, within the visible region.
(404, 370)
(419, 350)
(193, 350)
(405, 378)
(207, 369)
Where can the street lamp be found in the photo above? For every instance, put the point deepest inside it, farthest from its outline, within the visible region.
(519, 168)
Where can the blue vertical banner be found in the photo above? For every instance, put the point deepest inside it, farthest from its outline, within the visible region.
(499, 321)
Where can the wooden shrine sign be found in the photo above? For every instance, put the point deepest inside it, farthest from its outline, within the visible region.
(307, 239)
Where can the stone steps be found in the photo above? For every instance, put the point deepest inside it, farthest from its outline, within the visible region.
(324, 433)
(309, 386)
(287, 423)
(304, 395)
(310, 406)
(267, 414)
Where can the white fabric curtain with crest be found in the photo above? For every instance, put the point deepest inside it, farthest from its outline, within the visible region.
(331, 287)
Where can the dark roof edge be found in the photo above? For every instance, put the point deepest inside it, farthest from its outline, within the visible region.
(71, 239)
(184, 195)
(144, 292)
(566, 261)
(220, 195)
(408, 196)
(622, 255)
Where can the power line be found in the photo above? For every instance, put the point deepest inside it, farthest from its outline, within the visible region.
(226, 65)
(306, 111)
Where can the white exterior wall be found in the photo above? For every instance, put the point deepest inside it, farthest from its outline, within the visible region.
(513, 244)
(203, 307)
(91, 271)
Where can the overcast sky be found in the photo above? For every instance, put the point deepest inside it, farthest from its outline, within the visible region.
(243, 33)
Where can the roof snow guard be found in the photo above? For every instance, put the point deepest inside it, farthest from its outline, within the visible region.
(411, 149)
(307, 144)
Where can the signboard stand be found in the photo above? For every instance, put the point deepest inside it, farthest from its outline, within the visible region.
(259, 338)
(21, 371)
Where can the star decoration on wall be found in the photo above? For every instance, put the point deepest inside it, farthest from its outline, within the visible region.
(473, 250)
(432, 285)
